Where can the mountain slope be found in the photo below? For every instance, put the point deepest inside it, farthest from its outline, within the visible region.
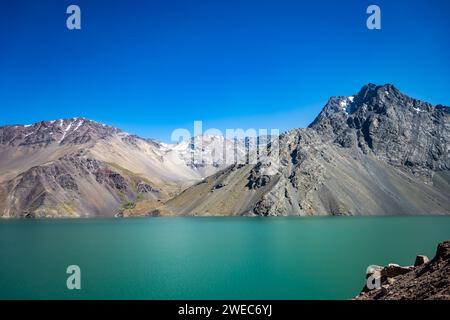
(78, 167)
(378, 152)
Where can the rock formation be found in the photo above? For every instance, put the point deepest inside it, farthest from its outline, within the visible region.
(426, 280)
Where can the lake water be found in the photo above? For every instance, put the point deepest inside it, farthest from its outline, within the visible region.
(208, 258)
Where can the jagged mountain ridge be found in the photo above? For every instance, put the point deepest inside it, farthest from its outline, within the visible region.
(377, 152)
(395, 127)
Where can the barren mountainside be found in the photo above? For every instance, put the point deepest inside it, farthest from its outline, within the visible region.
(378, 152)
(78, 167)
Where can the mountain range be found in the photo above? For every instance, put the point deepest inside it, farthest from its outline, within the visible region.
(378, 152)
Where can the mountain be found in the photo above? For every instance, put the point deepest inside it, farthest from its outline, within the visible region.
(78, 167)
(378, 152)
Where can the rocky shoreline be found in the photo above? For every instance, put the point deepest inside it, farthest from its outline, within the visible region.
(426, 280)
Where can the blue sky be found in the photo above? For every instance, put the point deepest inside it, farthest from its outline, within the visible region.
(152, 66)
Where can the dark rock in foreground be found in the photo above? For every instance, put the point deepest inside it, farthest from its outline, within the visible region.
(428, 280)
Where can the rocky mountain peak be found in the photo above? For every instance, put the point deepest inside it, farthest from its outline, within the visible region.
(371, 98)
(397, 128)
(371, 91)
(375, 98)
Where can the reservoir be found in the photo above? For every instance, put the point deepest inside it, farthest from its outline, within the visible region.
(208, 257)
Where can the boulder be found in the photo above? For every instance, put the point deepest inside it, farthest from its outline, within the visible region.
(420, 260)
(394, 270)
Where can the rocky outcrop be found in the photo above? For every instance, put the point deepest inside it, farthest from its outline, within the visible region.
(426, 280)
(420, 260)
(111, 178)
(143, 187)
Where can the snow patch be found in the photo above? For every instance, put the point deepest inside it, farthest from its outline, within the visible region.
(416, 109)
(65, 131)
(68, 127)
(343, 103)
(78, 125)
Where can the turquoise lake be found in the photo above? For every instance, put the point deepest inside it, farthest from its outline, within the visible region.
(207, 258)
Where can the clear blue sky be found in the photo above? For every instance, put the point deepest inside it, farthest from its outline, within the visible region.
(152, 66)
